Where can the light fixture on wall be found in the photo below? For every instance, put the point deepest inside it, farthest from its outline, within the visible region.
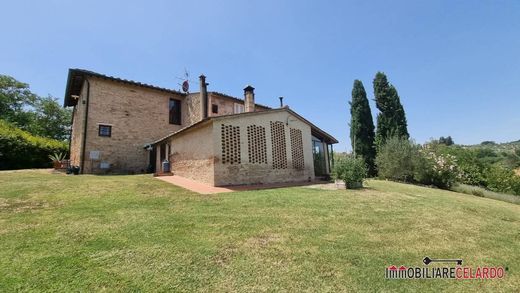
(287, 120)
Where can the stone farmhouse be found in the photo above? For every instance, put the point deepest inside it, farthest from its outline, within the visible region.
(123, 126)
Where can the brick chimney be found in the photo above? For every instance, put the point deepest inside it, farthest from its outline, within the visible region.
(203, 97)
(249, 99)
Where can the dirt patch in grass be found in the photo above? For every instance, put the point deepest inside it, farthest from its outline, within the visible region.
(258, 242)
(21, 205)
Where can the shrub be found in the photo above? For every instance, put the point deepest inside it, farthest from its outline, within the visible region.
(56, 157)
(435, 168)
(402, 160)
(351, 170)
(481, 192)
(501, 179)
(19, 149)
(471, 169)
(395, 159)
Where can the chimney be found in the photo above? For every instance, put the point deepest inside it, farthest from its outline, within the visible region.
(203, 97)
(249, 99)
(281, 102)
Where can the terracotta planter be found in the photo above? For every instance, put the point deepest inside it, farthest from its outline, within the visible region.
(60, 164)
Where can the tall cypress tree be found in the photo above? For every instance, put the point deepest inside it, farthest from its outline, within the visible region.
(362, 127)
(391, 120)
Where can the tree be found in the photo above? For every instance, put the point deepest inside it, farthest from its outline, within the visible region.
(446, 140)
(396, 159)
(362, 127)
(27, 111)
(15, 102)
(51, 119)
(391, 121)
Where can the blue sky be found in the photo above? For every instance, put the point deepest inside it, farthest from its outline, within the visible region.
(456, 64)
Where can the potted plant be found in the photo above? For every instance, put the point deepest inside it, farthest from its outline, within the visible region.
(351, 170)
(56, 159)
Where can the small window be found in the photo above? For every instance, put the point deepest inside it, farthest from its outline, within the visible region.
(239, 108)
(214, 109)
(175, 112)
(105, 130)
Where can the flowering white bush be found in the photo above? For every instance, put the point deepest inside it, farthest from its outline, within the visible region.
(440, 170)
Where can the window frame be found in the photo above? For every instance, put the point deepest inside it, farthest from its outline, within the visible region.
(175, 118)
(214, 108)
(101, 134)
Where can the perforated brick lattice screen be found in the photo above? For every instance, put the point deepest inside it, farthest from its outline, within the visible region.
(297, 149)
(278, 144)
(256, 144)
(230, 144)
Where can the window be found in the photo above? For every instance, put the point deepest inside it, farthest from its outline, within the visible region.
(214, 109)
(239, 108)
(175, 112)
(105, 130)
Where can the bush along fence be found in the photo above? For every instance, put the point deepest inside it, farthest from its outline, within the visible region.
(20, 149)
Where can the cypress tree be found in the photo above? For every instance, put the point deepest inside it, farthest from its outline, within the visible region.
(362, 127)
(391, 120)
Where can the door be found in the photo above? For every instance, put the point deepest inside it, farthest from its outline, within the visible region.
(318, 153)
(152, 161)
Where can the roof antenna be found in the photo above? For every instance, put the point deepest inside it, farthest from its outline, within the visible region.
(185, 85)
(281, 102)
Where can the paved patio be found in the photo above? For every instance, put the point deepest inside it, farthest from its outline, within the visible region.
(208, 189)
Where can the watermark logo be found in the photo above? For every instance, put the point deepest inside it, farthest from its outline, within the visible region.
(454, 271)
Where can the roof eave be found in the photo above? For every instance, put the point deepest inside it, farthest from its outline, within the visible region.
(73, 72)
(67, 101)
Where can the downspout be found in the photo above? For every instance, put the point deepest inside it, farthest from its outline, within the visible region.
(84, 142)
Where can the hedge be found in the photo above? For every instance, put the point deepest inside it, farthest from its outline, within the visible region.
(20, 150)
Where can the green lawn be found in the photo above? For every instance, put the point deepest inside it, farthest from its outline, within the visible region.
(136, 233)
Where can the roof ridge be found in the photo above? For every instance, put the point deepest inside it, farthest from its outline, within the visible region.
(129, 81)
(314, 128)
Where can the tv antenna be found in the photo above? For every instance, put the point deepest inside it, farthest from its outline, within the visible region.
(185, 81)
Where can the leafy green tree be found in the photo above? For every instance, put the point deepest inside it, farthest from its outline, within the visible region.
(16, 100)
(27, 111)
(396, 159)
(362, 127)
(391, 121)
(52, 120)
(446, 140)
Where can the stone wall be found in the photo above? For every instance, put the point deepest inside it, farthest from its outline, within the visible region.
(279, 165)
(137, 115)
(192, 154)
(191, 109)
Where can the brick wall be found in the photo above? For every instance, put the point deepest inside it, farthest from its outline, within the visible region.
(254, 170)
(192, 154)
(225, 105)
(137, 115)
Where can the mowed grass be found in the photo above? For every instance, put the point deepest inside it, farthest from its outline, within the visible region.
(136, 233)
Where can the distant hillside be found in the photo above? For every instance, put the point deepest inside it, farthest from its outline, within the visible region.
(506, 154)
(498, 147)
